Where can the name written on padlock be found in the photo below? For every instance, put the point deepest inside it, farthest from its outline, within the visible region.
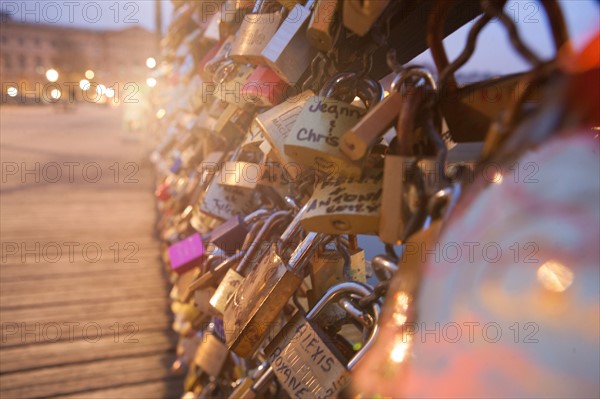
(344, 207)
(315, 138)
(304, 365)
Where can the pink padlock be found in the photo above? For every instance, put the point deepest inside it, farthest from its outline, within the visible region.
(186, 254)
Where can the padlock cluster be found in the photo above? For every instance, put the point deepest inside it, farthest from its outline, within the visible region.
(280, 151)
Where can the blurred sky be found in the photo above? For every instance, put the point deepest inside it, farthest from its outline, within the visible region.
(496, 56)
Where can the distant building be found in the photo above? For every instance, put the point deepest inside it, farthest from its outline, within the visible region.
(28, 50)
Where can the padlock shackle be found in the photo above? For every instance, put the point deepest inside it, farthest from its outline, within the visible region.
(292, 230)
(333, 294)
(266, 228)
(382, 266)
(304, 251)
(254, 216)
(345, 86)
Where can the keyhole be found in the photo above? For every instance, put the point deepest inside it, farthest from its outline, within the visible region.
(341, 225)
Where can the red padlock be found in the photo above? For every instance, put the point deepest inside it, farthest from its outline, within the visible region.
(162, 191)
(264, 88)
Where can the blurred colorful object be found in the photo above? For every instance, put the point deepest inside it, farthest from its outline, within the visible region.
(508, 301)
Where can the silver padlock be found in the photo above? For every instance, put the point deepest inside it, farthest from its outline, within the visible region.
(306, 361)
(289, 52)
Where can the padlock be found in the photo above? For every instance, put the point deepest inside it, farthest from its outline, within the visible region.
(359, 15)
(234, 277)
(277, 123)
(254, 33)
(239, 171)
(254, 137)
(412, 171)
(254, 385)
(290, 4)
(253, 311)
(384, 267)
(289, 52)
(212, 353)
(209, 66)
(358, 140)
(344, 207)
(305, 359)
(229, 80)
(264, 88)
(328, 270)
(186, 254)
(315, 138)
(225, 202)
(230, 235)
(321, 25)
(233, 122)
(232, 13)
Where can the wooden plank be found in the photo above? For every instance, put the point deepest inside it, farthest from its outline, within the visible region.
(110, 376)
(84, 350)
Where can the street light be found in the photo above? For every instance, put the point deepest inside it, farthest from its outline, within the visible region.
(12, 91)
(52, 75)
(151, 82)
(55, 94)
(89, 74)
(150, 62)
(84, 84)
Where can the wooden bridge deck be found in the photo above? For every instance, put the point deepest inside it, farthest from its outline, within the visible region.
(77, 322)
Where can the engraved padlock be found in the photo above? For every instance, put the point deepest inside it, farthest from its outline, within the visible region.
(344, 207)
(321, 25)
(359, 15)
(277, 123)
(305, 359)
(255, 32)
(289, 52)
(253, 311)
(315, 138)
(235, 276)
(225, 202)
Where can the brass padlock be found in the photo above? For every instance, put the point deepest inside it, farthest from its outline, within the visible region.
(232, 12)
(321, 25)
(255, 32)
(253, 311)
(240, 173)
(212, 353)
(288, 52)
(315, 138)
(360, 15)
(357, 141)
(344, 207)
(235, 276)
(305, 359)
